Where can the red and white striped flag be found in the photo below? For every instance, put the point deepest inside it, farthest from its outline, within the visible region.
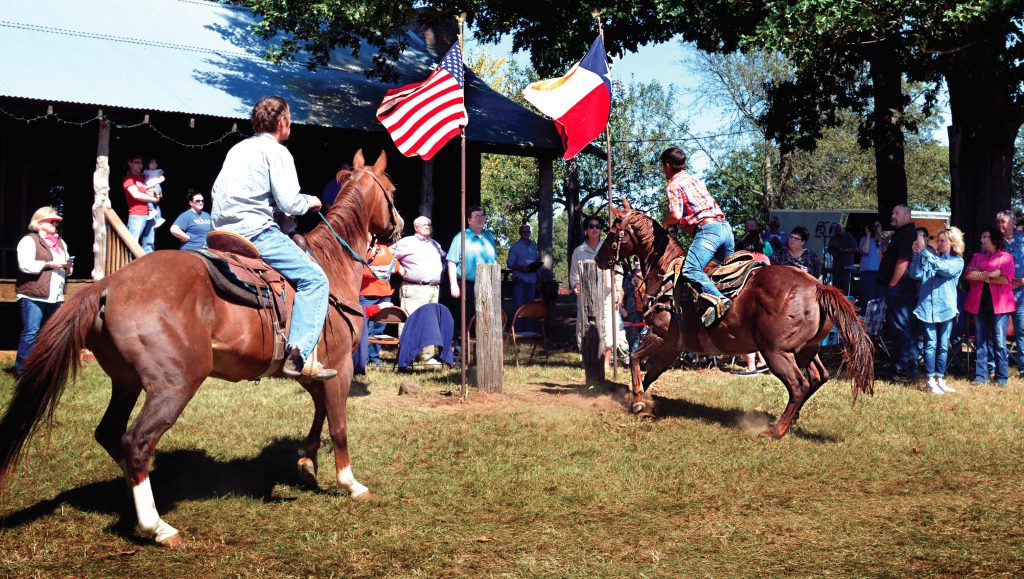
(422, 117)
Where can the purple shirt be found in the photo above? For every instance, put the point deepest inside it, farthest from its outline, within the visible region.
(421, 257)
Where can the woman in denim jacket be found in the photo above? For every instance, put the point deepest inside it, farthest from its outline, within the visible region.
(936, 300)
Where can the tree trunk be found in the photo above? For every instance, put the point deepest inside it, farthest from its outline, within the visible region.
(573, 206)
(887, 134)
(545, 213)
(985, 123)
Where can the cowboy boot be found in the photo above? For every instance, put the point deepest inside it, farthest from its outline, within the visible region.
(715, 310)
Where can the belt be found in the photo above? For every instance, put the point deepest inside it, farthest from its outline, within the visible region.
(704, 222)
(434, 283)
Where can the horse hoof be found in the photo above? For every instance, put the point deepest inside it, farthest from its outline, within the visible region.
(307, 472)
(171, 542)
(769, 434)
(366, 496)
(638, 408)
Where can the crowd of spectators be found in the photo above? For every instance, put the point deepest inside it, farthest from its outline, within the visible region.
(927, 289)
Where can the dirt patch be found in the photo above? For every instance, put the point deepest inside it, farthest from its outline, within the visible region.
(600, 399)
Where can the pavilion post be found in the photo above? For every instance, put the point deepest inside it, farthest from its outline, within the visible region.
(101, 200)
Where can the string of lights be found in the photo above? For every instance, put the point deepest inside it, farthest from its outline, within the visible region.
(51, 116)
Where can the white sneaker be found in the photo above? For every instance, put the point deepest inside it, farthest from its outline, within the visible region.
(433, 362)
(933, 386)
(941, 382)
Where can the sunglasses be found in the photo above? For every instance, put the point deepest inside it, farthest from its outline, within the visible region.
(594, 226)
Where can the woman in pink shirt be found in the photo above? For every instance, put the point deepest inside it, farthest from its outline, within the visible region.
(991, 300)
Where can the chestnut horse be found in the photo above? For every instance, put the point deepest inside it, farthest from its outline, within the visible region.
(782, 312)
(159, 325)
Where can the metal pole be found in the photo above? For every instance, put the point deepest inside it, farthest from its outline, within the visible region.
(463, 389)
(611, 294)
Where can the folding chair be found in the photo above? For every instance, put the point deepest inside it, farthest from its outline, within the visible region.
(429, 325)
(874, 322)
(536, 310)
(388, 315)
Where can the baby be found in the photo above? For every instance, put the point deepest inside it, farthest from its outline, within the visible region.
(154, 177)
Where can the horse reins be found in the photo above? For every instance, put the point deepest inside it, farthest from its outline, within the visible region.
(391, 218)
(651, 303)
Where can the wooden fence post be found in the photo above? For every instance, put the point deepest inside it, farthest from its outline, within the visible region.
(590, 321)
(490, 354)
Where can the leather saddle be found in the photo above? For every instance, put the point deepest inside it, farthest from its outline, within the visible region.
(239, 275)
(729, 277)
(732, 275)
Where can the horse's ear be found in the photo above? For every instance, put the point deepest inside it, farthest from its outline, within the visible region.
(616, 213)
(357, 161)
(381, 164)
(625, 204)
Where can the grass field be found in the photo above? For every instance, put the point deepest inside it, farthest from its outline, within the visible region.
(548, 479)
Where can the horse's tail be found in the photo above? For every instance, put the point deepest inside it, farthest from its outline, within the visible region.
(859, 355)
(57, 354)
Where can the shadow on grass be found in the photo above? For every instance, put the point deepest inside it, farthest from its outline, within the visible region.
(613, 389)
(735, 418)
(180, 475)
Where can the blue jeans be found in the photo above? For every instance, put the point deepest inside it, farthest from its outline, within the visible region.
(900, 301)
(936, 347)
(990, 330)
(373, 328)
(33, 315)
(141, 228)
(1018, 329)
(713, 241)
(311, 286)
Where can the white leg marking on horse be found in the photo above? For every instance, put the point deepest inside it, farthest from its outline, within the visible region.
(150, 523)
(348, 480)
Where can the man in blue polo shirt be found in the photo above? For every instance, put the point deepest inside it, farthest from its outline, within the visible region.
(479, 249)
(193, 224)
(1006, 223)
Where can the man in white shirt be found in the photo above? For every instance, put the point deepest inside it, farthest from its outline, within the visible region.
(258, 177)
(422, 258)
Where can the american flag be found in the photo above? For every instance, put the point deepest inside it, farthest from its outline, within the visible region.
(422, 117)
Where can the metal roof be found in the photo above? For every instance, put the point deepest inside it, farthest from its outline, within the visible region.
(199, 58)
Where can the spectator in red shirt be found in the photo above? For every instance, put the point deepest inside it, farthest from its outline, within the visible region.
(139, 196)
(691, 206)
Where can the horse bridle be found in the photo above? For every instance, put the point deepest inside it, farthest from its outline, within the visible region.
(387, 196)
(650, 302)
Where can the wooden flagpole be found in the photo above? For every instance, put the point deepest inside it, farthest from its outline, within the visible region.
(611, 294)
(463, 389)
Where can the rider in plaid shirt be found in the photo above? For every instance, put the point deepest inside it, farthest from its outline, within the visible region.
(690, 205)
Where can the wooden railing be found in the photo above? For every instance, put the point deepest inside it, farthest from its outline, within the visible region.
(121, 246)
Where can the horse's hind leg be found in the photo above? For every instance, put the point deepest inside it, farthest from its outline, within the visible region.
(123, 396)
(159, 412)
(784, 366)
(308, 463)
(817, 373)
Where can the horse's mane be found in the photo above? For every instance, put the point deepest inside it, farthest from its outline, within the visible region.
(347, 220)
(649, 233)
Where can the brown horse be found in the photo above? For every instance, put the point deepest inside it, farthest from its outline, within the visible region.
(782, 312)
(159, 325)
